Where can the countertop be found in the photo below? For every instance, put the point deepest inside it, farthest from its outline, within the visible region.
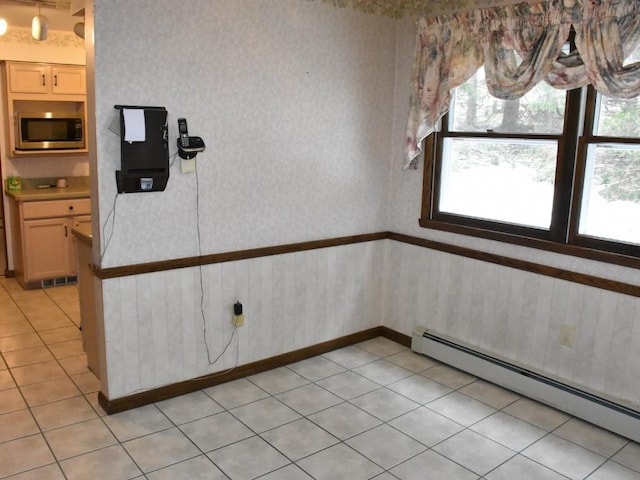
(77, 187)
(83, 234)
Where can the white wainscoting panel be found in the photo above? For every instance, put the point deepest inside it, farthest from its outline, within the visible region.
(518, 315)
(155, 331)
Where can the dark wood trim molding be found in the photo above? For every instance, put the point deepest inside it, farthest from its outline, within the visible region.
(168, 391)
(576, 277)
(137, 269)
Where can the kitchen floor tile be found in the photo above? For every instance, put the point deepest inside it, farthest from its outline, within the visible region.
(59, 335)
(50, 472)
(196, 468)
(523, 468)
(62, 413)
(461, 409)
(381, 346)
(278, 380)
(299, 439)
(6, 380)
(351, 357)
(339, 461)
(309, 399)
(348, 385)
(11, 400)
(426, 426)
(419, 389)
(189, 407)
(24, 454)
(412, 361)
(385, 446)
(629, 456)
(537, 414)
(344, 420)
(236, 393)
(383, 372)
(438, 467)
(248, 459)
(510, 431)
(18, 342)
(449, 376)
(79, 438)
(16, 425)
(614, 471)
(316, 368)
(111, 463)
(137, 422)
(290, 472)
(216, 431)
(489, 393)
(564, 457)
(51, 391)
(592, 437)
(38, 373)
(264, 414)
(384, 404)
(28, 356)
(160, 449)
(475, 452)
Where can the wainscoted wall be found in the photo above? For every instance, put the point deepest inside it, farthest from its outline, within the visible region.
(154, 334)
(517, 315)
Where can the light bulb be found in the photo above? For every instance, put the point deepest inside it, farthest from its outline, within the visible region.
(39, 27)
(3, 26)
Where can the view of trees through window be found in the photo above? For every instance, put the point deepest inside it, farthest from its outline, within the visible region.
(488, 172)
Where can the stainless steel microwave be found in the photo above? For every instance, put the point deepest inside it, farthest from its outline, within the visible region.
(50, 131)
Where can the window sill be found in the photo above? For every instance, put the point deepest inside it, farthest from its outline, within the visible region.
(566, 249)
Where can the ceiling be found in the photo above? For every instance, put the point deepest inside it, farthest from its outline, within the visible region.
(19, 13)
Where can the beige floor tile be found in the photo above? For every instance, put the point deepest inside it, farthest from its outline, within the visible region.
(137, 422)
(412, 361)
(71, 348)
(351, 357)
(426, 426)
(419, 389)
(316, 368)
(18, 342)
(264, 414)
(57, 335)
(161, 449)
(522, 468)
(381, 346)
(38, 373)
(629, 456)
(592, 437)
(79, 438)
(385, 404)
(489, 393)
(386, 446)
(24, 454)
(11, 400)
(15, 328)
(195, 468)
(299, 439)
(339, 461)
(51, 391)
(216, 431)
(75, 365)
(50, 472)
(189, 407)
(278, 380)
(87, 382)
(3, 365)
(383, 372)
(344, 420)
(28, 356)
(62, 413)
(509, 431)
(460, 408)
(249, 458)
(537, 414)
(6, 380)
(236, 393)
(16, 425)
(111, 463)
(449, 376)
(309, 399)
(438, 467)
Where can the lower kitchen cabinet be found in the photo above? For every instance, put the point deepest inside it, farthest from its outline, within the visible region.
(43, 245)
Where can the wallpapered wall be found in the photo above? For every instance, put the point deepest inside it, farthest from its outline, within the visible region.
(511, 313)
(293, 101)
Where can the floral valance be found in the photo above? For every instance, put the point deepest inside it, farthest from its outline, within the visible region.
(519, 46)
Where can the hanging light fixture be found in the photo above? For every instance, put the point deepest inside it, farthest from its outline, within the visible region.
(78, 29)
(3, 26)
(39, 26)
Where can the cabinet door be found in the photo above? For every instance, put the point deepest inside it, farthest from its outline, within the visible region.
(47, 252)
(29, 78)
(68, 80)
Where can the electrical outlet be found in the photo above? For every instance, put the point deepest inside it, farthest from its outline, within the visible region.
(567, 335)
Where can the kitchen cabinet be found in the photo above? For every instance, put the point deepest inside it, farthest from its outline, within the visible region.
(41, 87)
(46, 79)
(42, 236)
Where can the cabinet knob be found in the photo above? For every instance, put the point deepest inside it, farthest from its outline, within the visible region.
(55, 80)
(70, 207)
(43, 80)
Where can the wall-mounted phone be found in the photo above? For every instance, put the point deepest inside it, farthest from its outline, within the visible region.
(188, 147)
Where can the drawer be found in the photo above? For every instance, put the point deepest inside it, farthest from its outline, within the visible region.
(56, 208)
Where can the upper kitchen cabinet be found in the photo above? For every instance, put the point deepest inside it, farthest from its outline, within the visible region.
(34, 91)
(42, 79)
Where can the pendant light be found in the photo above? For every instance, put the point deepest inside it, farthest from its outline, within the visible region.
(39, 26)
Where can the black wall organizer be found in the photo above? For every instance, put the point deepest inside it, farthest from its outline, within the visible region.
(144, 164)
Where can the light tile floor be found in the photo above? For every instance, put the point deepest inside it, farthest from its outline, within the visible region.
(373, 410)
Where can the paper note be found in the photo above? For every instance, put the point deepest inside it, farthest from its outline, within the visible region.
(134, 126)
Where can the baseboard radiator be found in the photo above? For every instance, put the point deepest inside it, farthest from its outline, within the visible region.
(590, 407)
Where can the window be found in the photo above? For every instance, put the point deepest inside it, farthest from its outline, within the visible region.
(553, 169)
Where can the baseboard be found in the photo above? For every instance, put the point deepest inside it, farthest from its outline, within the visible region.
(590, 406)
(173, 390)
